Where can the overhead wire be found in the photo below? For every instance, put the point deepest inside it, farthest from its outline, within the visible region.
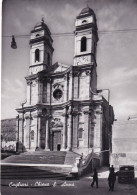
(72, 34)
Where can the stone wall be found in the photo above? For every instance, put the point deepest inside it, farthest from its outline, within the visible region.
(124, 143)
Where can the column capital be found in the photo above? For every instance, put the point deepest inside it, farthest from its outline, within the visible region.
(21, 119)
(28, 117)
(76, 73)
(87, 112)
(88, 72)
(17, 117)
(29, 82)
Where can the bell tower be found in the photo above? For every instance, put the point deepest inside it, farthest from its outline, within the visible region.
(86, 37)
(41, 49)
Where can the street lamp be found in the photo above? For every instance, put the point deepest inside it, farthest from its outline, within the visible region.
(13, 43)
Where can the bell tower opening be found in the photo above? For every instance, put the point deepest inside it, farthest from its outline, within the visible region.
(37, 55)
(41, 50)
(83, 44)
(48, 59)
(86, 37)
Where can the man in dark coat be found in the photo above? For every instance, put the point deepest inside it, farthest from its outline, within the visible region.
(95, 178)
(111, 179)
(111, 168)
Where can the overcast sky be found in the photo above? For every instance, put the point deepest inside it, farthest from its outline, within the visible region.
(116, 52)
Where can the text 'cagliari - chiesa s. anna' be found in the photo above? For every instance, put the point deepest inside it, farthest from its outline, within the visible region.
(64, 110)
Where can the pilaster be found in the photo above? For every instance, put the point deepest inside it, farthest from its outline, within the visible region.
(75, 128)
(86, 126)
(70, 129)
(40, 92)
(65, 87)
(29, 83)
(64, 139)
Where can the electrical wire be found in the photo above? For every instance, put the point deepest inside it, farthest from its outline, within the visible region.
(72, 34)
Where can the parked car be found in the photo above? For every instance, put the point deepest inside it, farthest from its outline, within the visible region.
(126, 174)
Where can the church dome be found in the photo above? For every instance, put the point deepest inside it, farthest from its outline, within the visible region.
(41, 25)
(87, 11)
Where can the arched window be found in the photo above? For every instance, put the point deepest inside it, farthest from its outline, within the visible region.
(83, 44)
(84, 21)
(32, 135)
(37, 55)
(48, 59)
(37, 35)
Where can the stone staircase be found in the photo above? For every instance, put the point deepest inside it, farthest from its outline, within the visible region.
(27, 172)
(39, 164)
(40, 157)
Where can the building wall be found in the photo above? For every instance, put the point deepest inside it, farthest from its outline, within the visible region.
(124, 143)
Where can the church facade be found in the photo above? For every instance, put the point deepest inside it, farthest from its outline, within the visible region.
(64, 110)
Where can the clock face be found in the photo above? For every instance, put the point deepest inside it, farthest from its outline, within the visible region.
(82, 60)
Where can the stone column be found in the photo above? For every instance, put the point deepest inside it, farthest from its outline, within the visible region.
(76, 85)
(27, 132)
(91, 127)
(38, 129)
(70, 96)
(40, 89)
(20, 128)
(22, 132)
(70, 130)
(29, 83)
(17, 133)
(75, 129)
(64, 140)
(68, 86)
(98, 131)
(19, 145)
(86, 127)
(65, 87)
(47, 134)
(17, 128)
(44, 98)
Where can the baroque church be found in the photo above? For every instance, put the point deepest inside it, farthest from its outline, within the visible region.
(64, 110)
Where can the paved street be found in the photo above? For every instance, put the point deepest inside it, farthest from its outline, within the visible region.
(52, 187)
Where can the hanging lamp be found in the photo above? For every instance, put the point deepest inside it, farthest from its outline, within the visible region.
(13, 43)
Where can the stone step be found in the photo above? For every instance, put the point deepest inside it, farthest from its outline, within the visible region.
(38, 157)
(18, 172)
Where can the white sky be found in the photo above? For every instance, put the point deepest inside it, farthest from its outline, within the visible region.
(116, 57)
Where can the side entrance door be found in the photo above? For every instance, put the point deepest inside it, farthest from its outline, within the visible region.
(56, 140)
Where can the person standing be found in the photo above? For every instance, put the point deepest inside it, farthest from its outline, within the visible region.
(95, 178)
(111, 168)
(111, 180)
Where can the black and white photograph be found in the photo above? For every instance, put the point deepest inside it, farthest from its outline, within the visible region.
(69, 97)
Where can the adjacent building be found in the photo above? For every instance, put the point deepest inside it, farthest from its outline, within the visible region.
(124, 142)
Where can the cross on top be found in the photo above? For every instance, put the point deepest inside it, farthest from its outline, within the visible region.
(87, 1)
(42, 20)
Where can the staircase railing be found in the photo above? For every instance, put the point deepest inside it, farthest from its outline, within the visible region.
(84, 165)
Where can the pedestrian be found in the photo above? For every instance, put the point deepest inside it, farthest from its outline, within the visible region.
(111, 179)
(111, 168)
(95, 178)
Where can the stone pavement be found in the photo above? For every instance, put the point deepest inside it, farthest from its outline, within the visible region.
(60, 187)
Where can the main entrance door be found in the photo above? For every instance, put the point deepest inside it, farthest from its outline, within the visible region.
(56, 140)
